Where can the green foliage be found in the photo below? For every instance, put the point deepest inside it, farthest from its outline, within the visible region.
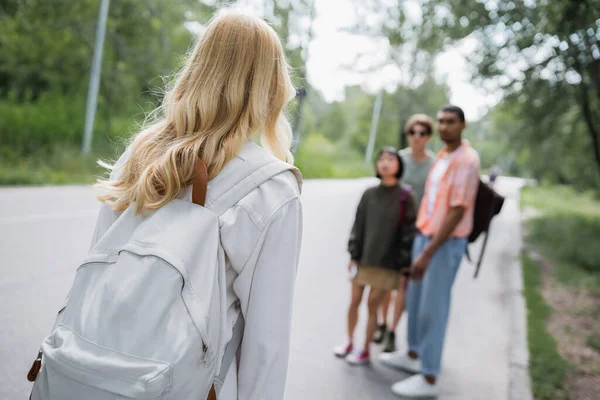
(53, 121)
(546, 366)
(45, 56)
(562, 234)
(335, 122)
(594, 342)
(48, 46)
(317, 157)
(543, 55)
(554, 199)
(62, 166)
(30, 127)
(314, 157)
(567, 231)
(397, 107)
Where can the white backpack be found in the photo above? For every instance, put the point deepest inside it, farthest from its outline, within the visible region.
(146, 312)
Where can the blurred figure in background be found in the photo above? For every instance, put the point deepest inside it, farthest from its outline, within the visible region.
(417, 161)
(444, 222)
(494, 174)
(380, 248)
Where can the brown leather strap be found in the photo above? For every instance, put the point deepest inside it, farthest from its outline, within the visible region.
(35, 368)
(212, 395)
(200, 183)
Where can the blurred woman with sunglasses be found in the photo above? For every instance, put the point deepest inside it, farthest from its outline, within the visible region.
(417, 161)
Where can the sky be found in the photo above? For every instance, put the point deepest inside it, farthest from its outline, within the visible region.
(332, 49)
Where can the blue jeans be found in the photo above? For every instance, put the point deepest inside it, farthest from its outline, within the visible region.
(428, 301)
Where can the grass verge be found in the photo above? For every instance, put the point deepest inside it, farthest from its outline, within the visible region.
(59, 166)
(546, 366)
(565, 230)
(567, 233)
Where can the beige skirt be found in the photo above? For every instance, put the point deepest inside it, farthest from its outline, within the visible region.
(377, 278)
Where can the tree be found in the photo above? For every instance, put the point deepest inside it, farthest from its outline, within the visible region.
(411, 47)
(293, 21)
(48, 45)
(334, 123)
(397, 107)
(544, 56)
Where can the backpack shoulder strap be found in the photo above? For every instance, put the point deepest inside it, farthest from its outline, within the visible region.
(497, 202)
(483, 246)
(230, 352)
(253, 167)
(242, 188)
(403, 199)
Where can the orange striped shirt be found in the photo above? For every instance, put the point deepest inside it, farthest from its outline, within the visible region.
(457, 187)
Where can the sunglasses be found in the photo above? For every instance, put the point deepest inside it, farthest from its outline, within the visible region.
(412, 132)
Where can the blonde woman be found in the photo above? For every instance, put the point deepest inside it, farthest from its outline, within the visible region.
(234, 84)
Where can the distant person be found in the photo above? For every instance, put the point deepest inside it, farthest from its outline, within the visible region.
(417, 161)
(380, 248)
(122, 339)
(495, 172)
(445, 221)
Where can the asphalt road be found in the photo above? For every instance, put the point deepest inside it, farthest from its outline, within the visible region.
(42, 241)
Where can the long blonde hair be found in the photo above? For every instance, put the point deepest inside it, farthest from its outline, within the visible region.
(234, 83)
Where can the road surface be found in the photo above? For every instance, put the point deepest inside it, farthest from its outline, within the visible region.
(45, 232)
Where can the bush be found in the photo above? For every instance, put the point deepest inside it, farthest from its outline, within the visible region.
(317, 157)
(27, 128)
(571, 238)
(314, 157)
(61, 166)
(40, 141)
(34, 129)
(567, 232)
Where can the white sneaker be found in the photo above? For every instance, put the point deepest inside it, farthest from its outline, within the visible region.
(415, 387)
(358, 358)
(402, 361)
(343, 350)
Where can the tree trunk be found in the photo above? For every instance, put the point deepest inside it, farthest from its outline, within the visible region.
(589, 121)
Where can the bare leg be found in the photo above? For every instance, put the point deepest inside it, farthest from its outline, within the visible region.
(375, 297)
(399, 303)
(356, 298)
(385, 307)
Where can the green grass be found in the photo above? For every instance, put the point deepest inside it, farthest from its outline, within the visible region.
(561, 200)
(594, 342)
(41, 140)
(547, 368)
(567, 233)
(58, 167)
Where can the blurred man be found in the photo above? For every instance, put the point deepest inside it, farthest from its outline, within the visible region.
(445, 221)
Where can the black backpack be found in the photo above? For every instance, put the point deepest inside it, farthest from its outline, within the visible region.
(488, 204)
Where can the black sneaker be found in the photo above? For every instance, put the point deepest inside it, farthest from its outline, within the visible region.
(379, 334)
(389, 343)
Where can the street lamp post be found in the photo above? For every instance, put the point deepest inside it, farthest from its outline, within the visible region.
(301, 95)
(92, 98)
(374, 123)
